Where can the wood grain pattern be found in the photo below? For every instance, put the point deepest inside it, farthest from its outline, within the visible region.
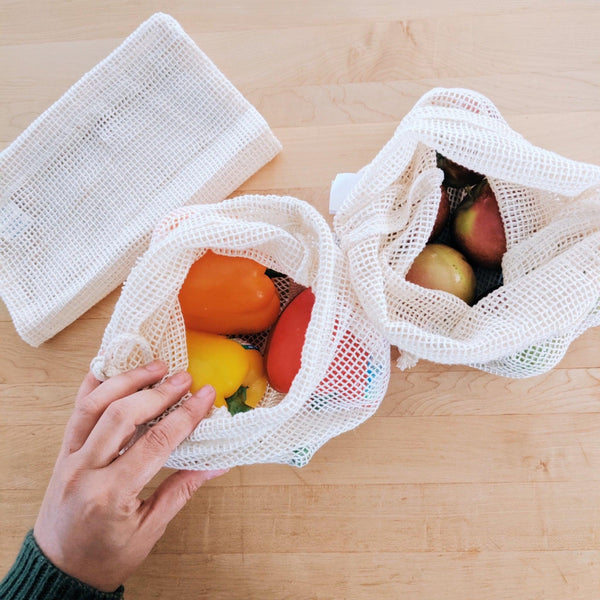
(463, 485)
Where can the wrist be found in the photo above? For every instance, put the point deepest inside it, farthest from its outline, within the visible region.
(33, 576)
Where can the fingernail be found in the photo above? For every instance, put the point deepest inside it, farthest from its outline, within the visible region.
(216, 473)
(155, 365)
(180, 378)
(206, 392)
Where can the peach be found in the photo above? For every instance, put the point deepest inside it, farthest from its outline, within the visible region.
(440, 267)
(478, 229)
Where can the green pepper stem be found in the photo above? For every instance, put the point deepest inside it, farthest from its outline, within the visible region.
(237, 403)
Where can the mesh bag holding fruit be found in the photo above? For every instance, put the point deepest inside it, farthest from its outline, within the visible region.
(251, 295)
(466, 244)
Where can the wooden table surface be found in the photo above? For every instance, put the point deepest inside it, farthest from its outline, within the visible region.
(463, 485)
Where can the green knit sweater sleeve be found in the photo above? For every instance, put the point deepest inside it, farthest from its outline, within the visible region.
(34, 577)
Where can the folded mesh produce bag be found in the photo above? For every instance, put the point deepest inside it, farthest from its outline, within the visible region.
(153, 126)
(548, 288)
(345, 364)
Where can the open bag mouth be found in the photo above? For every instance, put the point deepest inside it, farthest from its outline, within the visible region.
(345, 362)
(525, 313)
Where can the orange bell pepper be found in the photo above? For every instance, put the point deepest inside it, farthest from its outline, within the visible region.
(228, 295)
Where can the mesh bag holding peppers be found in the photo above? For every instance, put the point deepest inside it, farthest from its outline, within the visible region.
(546, 289)
(344, 368)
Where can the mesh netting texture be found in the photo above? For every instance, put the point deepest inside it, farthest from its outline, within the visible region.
(345, 361)
(550, 274)
(153, 126)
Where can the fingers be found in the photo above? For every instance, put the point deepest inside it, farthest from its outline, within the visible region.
(147, 456)
(118, 423)
(88, 385)
(172, 495)
(92, 400)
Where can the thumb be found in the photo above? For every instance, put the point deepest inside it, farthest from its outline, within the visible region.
(173, 494)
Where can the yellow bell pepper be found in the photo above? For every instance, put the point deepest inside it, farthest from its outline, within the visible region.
(233, 368)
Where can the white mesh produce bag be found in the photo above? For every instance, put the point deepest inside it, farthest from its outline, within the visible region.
(345, 361)
(153, 126)
(550, 207)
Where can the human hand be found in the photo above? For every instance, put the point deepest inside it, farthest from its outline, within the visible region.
(92, 523)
